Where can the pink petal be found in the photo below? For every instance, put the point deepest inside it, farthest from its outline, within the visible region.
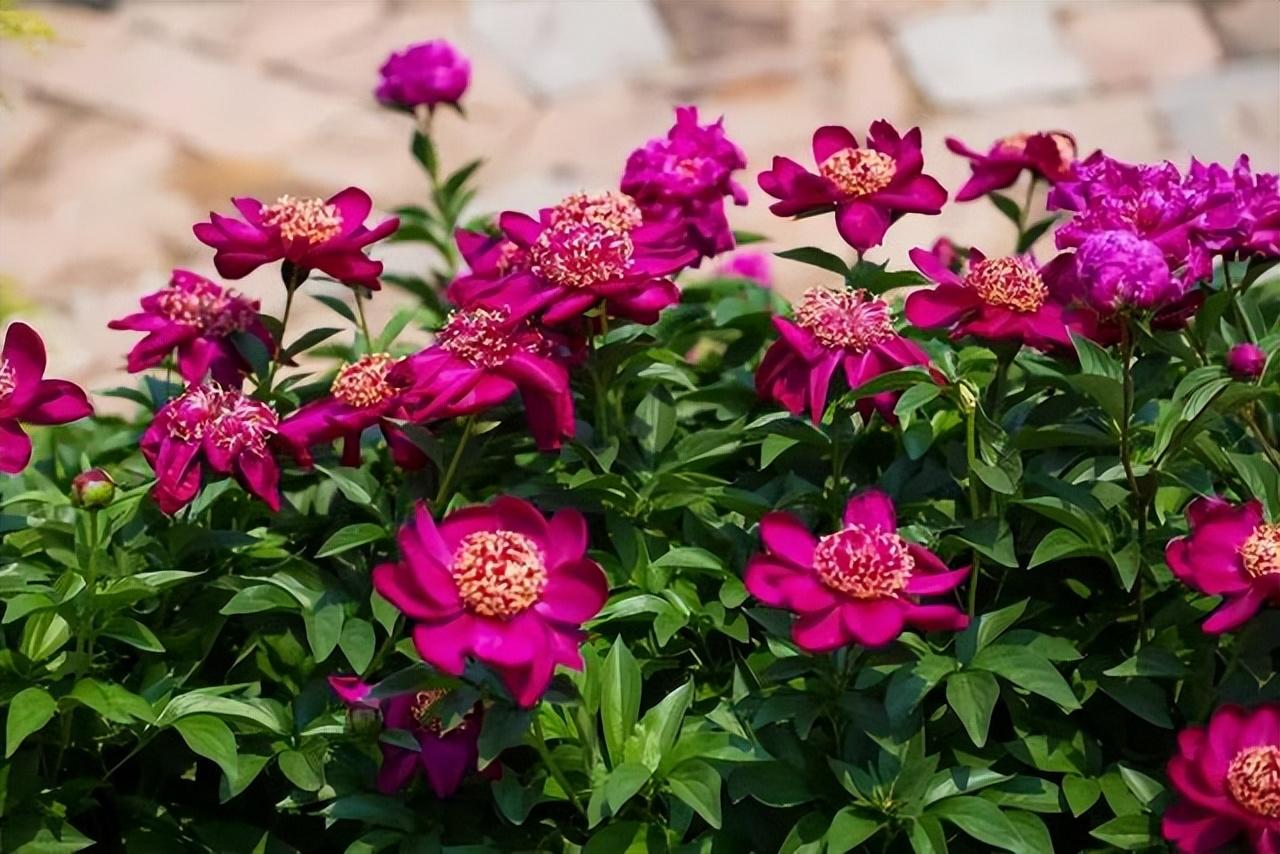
(862, 225)
(444, 645)
(785, 586)
(566, 537)
(1233, 613)
(785, 536)
(349, 689)
(874, 622)
(575, 592)
(872, 509)
(931, 584)
(821, 631)
(829, 139)
(15, 447)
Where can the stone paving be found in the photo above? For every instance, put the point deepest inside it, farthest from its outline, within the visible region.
(139, 120)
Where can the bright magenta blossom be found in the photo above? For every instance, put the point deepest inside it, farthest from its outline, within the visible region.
(209, 425)
(1048, 155)
(748, 264)
(25, 395)
(312, 234)
(1227, 778)
(500, 584)
(868, 188)
(423, 74)
(1246, 361)
(1247, 221)
(861, 584)
(833, 328)
(444, 758)
(197, 318)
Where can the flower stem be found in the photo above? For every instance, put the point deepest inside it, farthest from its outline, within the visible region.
(446, 483)
(1251, 419)
(292, 282)
(975, 502)
(1236, 296)
(1023, 213)
(364, 324)
(1126, 460)
(540, 744)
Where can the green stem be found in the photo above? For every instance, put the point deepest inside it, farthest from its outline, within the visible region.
(290, 288)
(1023, 212)
(364, 324)
(1126, 460)
(1251, 419)
(1000, 383)
(975, 501)
(839, 455)
(446, 482)
(540, 744)
(1236, 308)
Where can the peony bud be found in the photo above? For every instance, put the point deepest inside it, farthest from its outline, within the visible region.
(424, 74)
(364, 720)
(1246, 361)
(92, 489)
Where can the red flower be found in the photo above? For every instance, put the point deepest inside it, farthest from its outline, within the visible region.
(1048, 155)
(25, 395)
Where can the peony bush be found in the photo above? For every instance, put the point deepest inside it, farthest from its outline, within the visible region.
(974, 550)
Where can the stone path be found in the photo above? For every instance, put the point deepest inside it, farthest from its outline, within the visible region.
(141, 119)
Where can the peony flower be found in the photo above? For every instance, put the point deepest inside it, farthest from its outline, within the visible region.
(1230, 552)
(860, 584)
(312, 234)
(1121, 271)
(500, 584)
(754, 266)
(1048, 155)
(832, 328)
(1246, 361)
(423, 74)
(868, 188)
(209, 425)
(198, 319)
(1227, 778)
(362, 396)
(25, 395)
(999, 299)
(445, 758)
(684, 178)
(481, 358)
(1247, 220)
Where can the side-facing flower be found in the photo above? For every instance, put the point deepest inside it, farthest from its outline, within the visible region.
(423, 75)
(209, 425)
(312, 234)
(833, 328)
(1246, 361)
(1232, 552)
(445, 758)
(500, 584)
(197, 318)
(25, 395)
(861, 584)
(868, 188)
(1047, 155)
(1227, 779)
(748, 264)
(1246, 221)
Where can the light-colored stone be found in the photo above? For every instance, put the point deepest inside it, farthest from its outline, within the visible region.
(1219, 115)
(1000, 53)
(872, 86)
(1248, 27)
(24, 123)
(1132, 42)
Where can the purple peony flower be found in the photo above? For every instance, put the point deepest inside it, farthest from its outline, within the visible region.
(1120, 271)
(423, 74)
(1246, 361)
(1047, 155)
(1247, 221)
(753, 266)
(25, 395)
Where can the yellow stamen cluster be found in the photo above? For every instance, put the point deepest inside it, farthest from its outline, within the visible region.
(850, 320)
(309, 219)
(615, 211)
(363, 383)
(1253, 778)
(1009, 282)
(1261, 552)
(499, 573)
(859, 171)
(865, 563)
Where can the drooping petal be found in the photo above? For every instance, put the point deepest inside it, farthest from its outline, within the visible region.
(15, 447)
(57, 402)
(446, 644)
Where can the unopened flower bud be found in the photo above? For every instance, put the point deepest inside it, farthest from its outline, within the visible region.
(968, 396)
(92, 489)
(365, 721)
(1246, 361)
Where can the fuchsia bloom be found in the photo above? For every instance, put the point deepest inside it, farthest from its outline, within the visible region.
(198, 318)
(685, 177)
(216, 426)
(1247, 222)
(1227, 777)
(25, 395)
(1246, 361)
(1048, 155)
(868, 188)
(498, 583)
(312, 234)
(858, 585)
(999, 299)
(1231, 552)
(754, 266)
(445, 758)
(423, 74)
(832, 328)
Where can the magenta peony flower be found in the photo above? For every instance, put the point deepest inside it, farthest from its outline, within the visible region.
(423, 74)
(1246, 361)
(1121, 271)
(25, 395)
(311, 234)
(209, 425)
(498, 583)
(1231, 552)
(833, 328)
(197, 318)
(445, 758)
(753, 266)
(1227, 778)
(999, 299)
(1048, 155)
(1247, 220)
(858, 585)
(868, 188)
(684, 178)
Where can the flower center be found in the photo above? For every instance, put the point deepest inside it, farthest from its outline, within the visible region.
(859, 171)
(865, 563)
(1261, 552)
(1017, 143)
(481, 336)
(230, 420)
(310, 219)
(613, 210)
(8, 379)
(845, 319)
(423, 703)
(1009, 282)
(200, 303)
(363, 383)
(510, 257)
(498, 573)
(581, 255)
(1253, 778)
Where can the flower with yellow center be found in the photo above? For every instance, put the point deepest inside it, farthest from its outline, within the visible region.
(1253, 778)
(1009, 282)
(312, 219)
(845, 319)
(613, 210)
(1260, 553)
(498, 573)
(580, 255)
(865, 563)
(363, 383)
(859, 171)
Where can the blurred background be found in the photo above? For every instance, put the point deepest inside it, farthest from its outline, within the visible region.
(139, 116)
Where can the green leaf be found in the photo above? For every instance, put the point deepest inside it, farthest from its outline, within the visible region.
(1031, 836)
(114, 702)
(135, 634)
(424, 151)
(1027, 670)
(1058, 544)
(29, 710)
(357, 643)
(619, 699)
(32, 833)
(1034, 232)
(772, 783)
(816, 257)
(351, 537)
(336, 305)
(623, 782)
(504, 726)
(303, 770)
(1081, 793)
(1150, 661)
(985, 628)
(850, 827)
(698, 785)
(661, 724)
(972, 694)
(628, 837)
(657, 416)
(992, 538)
(926, 835)
(209, 737)
(1144, 788)
(307, 340)
(690, 558)
(1128, 832)
(260, 597)
(324, 626)
(1006, 206)
(1141, 696)
(977, 817)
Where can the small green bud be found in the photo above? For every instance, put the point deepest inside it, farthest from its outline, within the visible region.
(92, 489)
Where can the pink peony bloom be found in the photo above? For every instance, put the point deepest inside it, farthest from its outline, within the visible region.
(445, 758)
(1246, 361)
(1121, 271)
(311, 234)
(1048, 155)
(209, 425)
(500, 584)
(999, 299)
(868, 188)
(858, 585)
(1247, 221)
(198, 319)
(747, 264)
(833, 328)
(685, 177)
(423, 74)
(1230, 552)
(25, 395)
(1227, 778)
